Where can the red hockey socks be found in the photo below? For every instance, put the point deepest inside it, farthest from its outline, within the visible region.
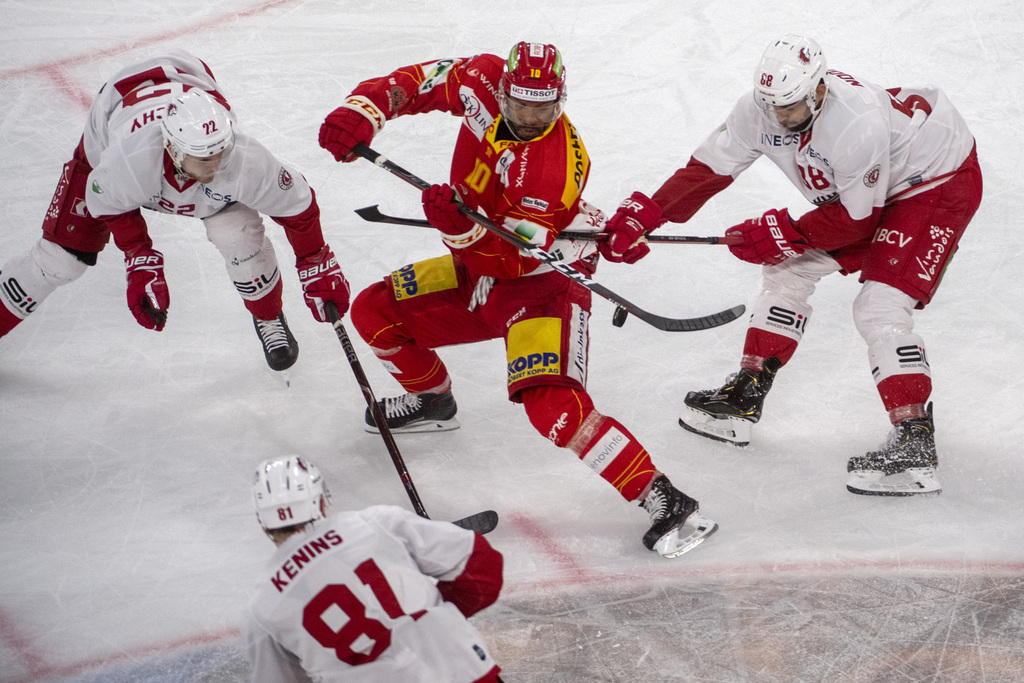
(904, 396)
(416, 368)
(567, 417)
(760, 344)
(268, 306)
(8, 320)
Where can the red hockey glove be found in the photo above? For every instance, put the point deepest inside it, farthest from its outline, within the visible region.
(342, 130)
(323, 281)
(628, 228)
(442, 212)
(768, 240)
(148, 297)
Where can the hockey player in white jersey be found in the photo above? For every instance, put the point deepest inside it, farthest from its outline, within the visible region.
(161, 136)
(373, 595)
(894, 176)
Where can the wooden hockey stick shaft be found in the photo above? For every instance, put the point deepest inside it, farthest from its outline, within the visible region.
(475, 522)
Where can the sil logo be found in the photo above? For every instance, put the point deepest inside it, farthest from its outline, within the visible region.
(257, 284)
(791, 320)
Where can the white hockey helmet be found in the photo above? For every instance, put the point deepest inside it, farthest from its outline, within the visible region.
(789, 72)
(289, 491)
(195, 124)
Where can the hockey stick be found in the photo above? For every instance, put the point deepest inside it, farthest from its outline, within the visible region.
(373, 215)
(660, 322)
(481, 522)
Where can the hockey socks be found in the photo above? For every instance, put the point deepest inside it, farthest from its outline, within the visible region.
(615, 454)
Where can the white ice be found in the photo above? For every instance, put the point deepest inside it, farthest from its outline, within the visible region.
(128, 546)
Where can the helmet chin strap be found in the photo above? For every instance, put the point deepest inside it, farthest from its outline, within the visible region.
(807, 123)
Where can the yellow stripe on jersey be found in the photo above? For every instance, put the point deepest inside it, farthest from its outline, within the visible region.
(577, 164)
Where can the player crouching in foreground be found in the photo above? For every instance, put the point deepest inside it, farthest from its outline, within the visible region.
(399, 586)
(160, 136)
(520, 161)
(895, 178)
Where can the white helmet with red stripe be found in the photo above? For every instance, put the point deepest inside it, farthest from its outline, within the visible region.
(790, 71)
(288, 492)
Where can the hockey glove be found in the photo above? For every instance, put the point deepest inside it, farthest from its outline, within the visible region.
(628, 228)
(440, 205)
(768, 240)
(344, 128)
(323, 281)
(148, 297)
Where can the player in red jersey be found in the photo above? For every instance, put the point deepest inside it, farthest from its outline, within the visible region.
(520, 161)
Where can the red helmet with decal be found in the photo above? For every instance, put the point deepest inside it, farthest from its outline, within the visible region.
(532, 93)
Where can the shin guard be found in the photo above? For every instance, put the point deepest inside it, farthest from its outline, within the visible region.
(567, 417)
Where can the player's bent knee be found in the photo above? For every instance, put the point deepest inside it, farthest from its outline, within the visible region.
(374, 317)
(58, 265)
(881, 312)
(558, 413)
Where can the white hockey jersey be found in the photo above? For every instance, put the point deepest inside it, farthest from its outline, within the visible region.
(124, 146)
(351, 600)
(867, 147)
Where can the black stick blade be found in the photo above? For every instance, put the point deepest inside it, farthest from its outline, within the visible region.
(482, 522)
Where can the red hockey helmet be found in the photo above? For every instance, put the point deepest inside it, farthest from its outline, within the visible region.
(532, 93)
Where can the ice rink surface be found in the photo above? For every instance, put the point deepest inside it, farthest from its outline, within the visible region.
(128, 545)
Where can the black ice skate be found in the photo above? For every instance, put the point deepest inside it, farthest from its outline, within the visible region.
(678, 526)
(279, 346)
(726, 414)
(416, 413)
(904, 465)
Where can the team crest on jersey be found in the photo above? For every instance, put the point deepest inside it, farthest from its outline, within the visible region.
(871, 177)
(96, 187)
(284, 180)
(398, 97)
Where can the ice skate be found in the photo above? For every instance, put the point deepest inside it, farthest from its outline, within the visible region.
(727, 414)
(677, 524)
(904, 465)
(279, 346)
(410, 413)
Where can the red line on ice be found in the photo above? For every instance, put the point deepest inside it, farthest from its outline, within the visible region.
(56, 70)
(571, 569)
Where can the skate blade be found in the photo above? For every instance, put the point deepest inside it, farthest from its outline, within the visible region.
(916, 481)
(731, 430)
(687, 536)
(419, 427)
